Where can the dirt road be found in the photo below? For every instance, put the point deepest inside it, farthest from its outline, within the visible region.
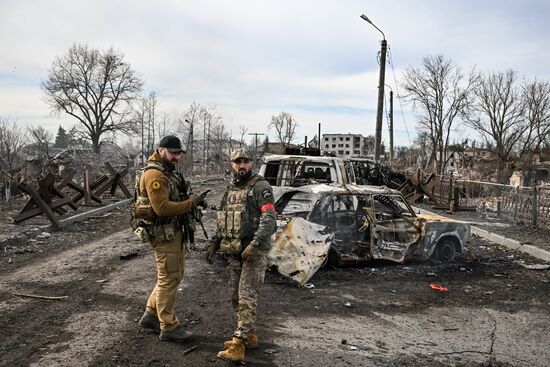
(495, 313)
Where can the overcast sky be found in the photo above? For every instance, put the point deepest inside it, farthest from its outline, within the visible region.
(254, 59)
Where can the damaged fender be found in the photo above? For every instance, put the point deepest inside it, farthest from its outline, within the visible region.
(300, 249)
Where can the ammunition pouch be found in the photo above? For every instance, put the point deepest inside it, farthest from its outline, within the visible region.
(158, 230)
(144, 211)
(230, 225)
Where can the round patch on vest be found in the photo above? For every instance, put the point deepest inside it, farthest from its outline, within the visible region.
(232, 199)
(267, 194)
(155, 185)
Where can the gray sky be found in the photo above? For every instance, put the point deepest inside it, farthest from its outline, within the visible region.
(254, 59)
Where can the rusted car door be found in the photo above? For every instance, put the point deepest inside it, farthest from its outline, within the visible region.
(394, 228)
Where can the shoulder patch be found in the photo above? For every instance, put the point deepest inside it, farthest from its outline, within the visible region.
(267, 194)
(155, 185)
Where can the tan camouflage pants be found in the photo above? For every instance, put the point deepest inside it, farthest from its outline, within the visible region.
(170, 259)
(245, 280)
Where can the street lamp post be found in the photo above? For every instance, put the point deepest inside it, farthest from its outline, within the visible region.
(381, 78)
(390, 125)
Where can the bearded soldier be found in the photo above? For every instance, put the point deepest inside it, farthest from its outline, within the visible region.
(246, 221)
(160, 214)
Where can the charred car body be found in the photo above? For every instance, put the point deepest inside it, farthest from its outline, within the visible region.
(287, 170)
(354, 224)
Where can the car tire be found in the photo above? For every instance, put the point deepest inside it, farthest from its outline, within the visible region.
(445, 250)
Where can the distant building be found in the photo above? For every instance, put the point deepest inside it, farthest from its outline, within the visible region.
(348, 145)
(479, 153)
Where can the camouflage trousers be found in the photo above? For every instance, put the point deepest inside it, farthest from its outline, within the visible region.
(245, 280)
(170, 259)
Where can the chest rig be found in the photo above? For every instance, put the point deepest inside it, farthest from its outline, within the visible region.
(146, 224)
(237, 221)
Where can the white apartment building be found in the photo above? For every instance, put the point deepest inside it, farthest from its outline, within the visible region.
(348, 145)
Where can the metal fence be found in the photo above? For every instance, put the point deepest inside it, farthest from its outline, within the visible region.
(526, 205)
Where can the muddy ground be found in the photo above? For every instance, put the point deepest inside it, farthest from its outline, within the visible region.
(495, 312)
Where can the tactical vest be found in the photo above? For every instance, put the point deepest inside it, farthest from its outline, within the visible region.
(236, 221)
(146, 224)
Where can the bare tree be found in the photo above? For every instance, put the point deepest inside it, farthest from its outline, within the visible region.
(164, 126)
(285, 125)
(12, 139)
(95, 87)
(221, 140)
(210, 118)
(152, 102)
(40, 141)
(144, 117)
(536, 99)
(499, 116)
(439, 92)
(187, 126)
(242, 133)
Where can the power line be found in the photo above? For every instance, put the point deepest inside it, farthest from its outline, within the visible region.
(390, 61)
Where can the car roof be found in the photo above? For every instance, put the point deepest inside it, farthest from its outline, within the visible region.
(311, 158)
(349, 189)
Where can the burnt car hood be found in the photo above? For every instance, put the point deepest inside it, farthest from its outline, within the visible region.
(299, 249)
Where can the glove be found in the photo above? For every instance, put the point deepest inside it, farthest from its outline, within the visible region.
(212, 248)
(251, 253)
(200, 200)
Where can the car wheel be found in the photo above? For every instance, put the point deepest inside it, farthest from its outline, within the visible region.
(445, 250)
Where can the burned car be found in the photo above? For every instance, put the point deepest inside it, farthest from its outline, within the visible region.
(284, 170)
(354, 224)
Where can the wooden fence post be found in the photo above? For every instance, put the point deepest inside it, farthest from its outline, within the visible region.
(535, 206)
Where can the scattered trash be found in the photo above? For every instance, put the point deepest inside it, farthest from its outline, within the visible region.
(55, 298)
(431, 274)
(101, 280)
(450, 328)
(309, 285)
(536, 266)
(461, 269)
(351, 347)
(190, 349)
(438, 287)
(347, 304)
(271, 351)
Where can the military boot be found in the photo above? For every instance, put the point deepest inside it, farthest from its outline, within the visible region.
(251, 341)
(149, 321)
(176, 335)
(234, 350)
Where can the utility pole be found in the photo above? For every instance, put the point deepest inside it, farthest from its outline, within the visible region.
(190, 145)
(390, 126)
(256, 146)
(381, 78)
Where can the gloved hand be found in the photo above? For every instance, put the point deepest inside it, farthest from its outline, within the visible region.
(251, 253)
(200, 200)
(210, 251)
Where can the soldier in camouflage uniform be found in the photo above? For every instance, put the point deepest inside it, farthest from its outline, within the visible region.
(160, 213)
(246, 221)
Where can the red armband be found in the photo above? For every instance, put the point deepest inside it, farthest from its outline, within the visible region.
(267, 207)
